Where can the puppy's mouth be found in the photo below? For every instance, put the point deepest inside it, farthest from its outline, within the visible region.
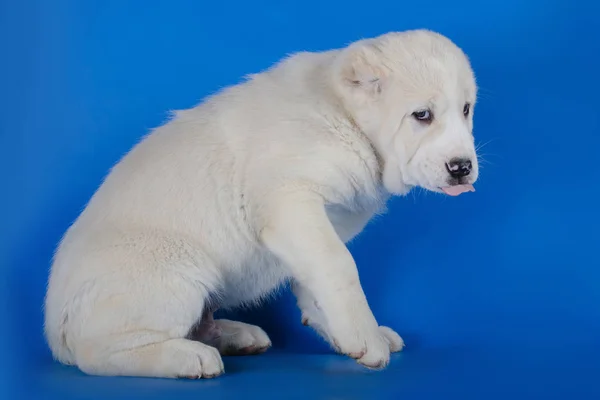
(456, 190)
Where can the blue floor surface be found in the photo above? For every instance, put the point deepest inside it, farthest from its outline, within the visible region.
(564, 372)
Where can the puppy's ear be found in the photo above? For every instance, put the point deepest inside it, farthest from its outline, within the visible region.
(360, 66)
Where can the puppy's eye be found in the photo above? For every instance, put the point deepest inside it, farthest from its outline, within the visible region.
(466, 109)
(423, 115)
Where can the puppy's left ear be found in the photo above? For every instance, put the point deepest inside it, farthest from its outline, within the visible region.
(360, 67)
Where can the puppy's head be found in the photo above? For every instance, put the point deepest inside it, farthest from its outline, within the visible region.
(413, 94)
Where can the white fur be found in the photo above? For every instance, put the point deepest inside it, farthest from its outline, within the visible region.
(260, 184)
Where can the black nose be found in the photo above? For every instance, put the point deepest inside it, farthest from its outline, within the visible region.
(459, 167)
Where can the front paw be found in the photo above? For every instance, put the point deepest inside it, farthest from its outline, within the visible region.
(394, 340)
(377, 355)
(372, 351)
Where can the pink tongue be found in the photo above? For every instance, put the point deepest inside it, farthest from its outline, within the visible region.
(458, 189)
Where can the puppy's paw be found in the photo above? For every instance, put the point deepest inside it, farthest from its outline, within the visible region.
(238, 338)
(372, 350)
(377, 355)
(394, 340)
(379, 349)
(193, 360)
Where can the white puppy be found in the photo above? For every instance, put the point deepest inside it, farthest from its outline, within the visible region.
(259, 185)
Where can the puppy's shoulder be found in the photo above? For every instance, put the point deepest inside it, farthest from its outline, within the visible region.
(358, 164)
(341, 164)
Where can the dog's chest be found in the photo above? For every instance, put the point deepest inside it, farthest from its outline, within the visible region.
(348, 223)
(358, 199)
(258, 276)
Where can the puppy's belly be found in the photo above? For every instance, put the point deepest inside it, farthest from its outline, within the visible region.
(256, 279)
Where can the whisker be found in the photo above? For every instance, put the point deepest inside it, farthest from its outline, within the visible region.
(488, 155)
(482, 160)
(482, 145)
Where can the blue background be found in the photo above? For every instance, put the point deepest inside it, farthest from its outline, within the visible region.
(496, 293)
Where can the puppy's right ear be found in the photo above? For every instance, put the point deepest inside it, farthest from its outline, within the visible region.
(360, 67)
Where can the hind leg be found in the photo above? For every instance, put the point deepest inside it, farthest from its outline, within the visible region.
(170, 358)
(230, 337)
(148, 345)
(132, 320)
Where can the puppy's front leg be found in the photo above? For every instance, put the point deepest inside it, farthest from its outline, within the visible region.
(298, 231)
(312, 316)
